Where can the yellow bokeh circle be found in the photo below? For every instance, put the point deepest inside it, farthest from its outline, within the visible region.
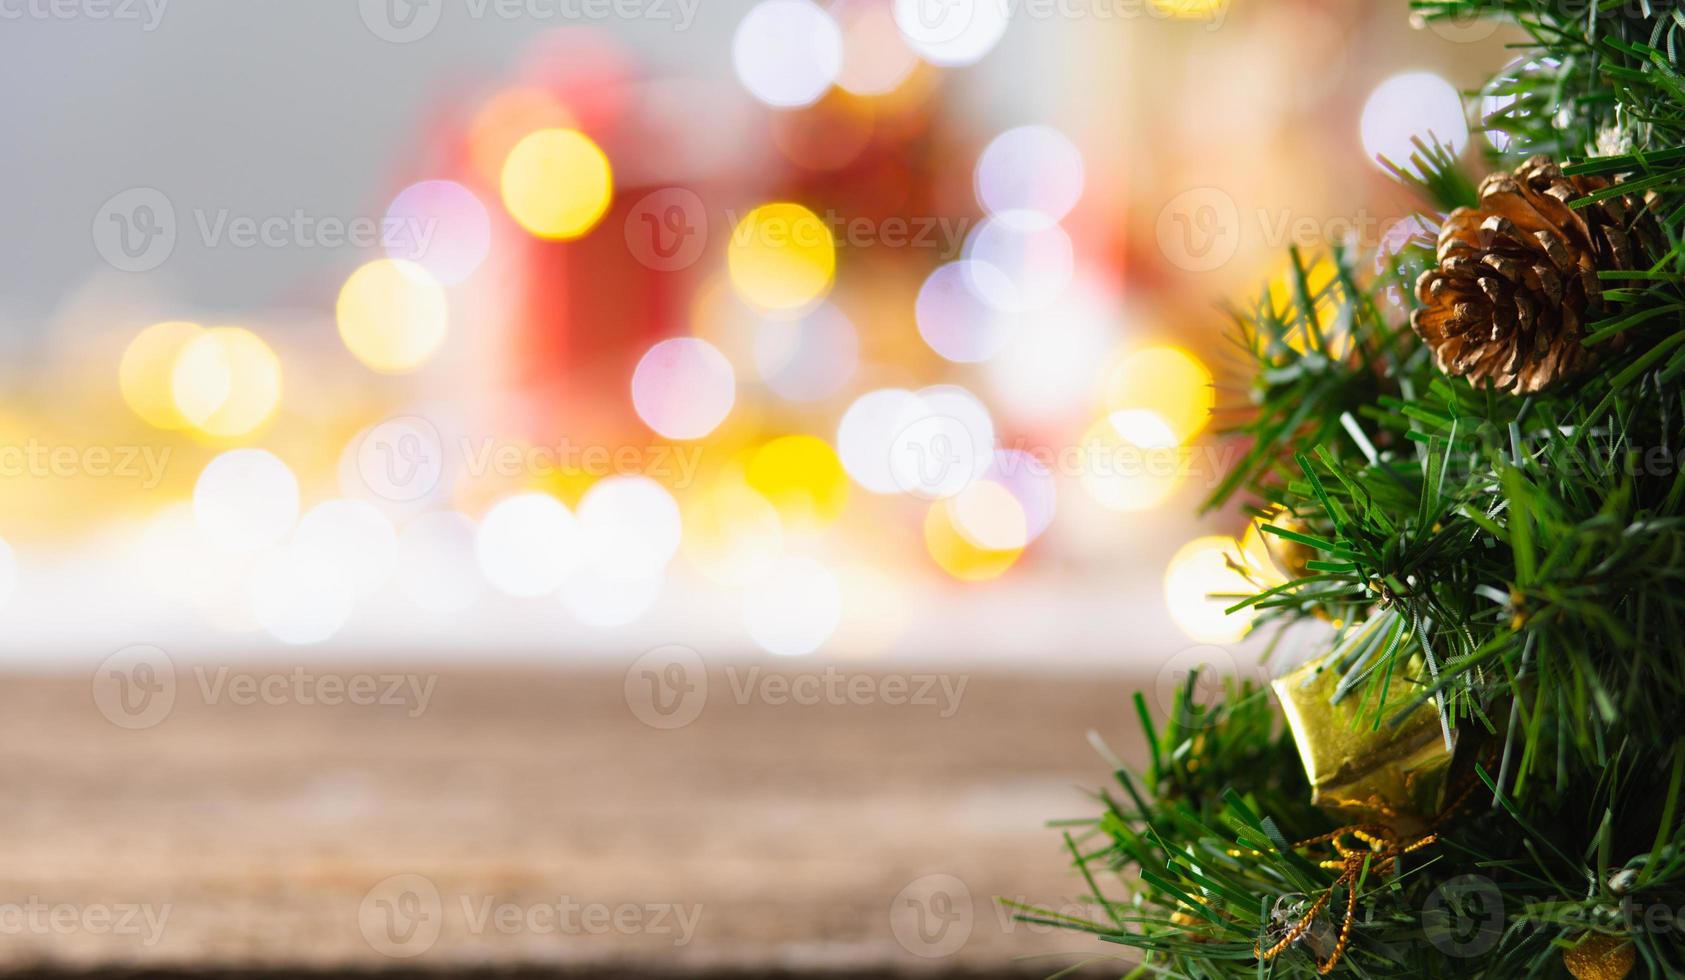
(1168, 381)
(732, 534)
(1130, 461)
(1326, 295)
(957, 555)
(226, 382)
(146, 374)
(1201, 582)
(392, 315)
(557, 183)
(781, 257)
(801, 477)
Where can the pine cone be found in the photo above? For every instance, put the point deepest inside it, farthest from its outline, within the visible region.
(1517, 277)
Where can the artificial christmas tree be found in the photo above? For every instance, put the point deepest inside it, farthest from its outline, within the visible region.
(1482, 522)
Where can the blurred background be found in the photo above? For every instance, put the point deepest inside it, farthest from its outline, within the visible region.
(554, 351)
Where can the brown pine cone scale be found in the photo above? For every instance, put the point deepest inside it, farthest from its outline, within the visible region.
(1517, 281)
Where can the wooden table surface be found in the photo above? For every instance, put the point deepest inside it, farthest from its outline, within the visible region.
(527, 818)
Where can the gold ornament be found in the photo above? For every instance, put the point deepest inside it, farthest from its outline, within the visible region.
(1290, 557)
(1388, 781)
(1361, 772)
(1600, 956)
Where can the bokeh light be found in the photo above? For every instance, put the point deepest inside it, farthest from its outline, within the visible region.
(988, 515)
(504, 121)
(683, 388)
(393, 315)
(1049, 371)
(787, 52)
(8, 573)
(1031, 483)
(809, 358)
(957, 555)
(528, 544)
(794, 608)
(1035, 264)
(958, 32)
(300, 595)
(1334, 335)
(801, 477)
(954, 320)
(781, 257)
(1033, 174)
(441, 226)
(352, 535)
(948, 444)
(1200, 583)
(1409, 105)
(1167, 381)
(245, 500)
(604, 603)
(557, 183)
(146, 374)
(438, 571)
(867, 433)
(1191, 9)
(226, 382)
(876, 58)
(1130, 461)
(732, 534)
(630, 529)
